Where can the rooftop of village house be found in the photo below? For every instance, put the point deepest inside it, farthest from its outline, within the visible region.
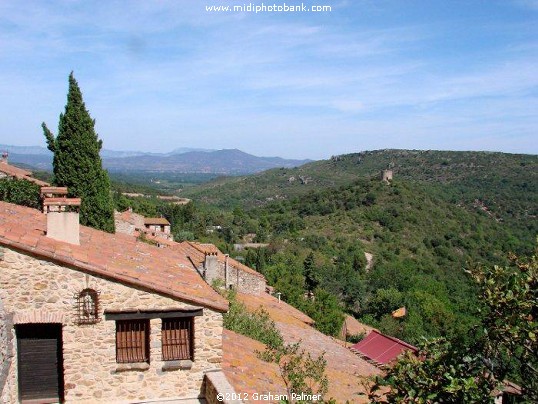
(114, 256)
(19, 173)
(247, 373)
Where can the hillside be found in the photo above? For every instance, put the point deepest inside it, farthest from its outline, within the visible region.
(505, 186)
(442, 212)
(181, 160)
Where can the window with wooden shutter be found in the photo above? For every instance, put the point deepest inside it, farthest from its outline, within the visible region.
(132, 341)
(178, 338)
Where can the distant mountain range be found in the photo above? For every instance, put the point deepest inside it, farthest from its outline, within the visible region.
(180, 160)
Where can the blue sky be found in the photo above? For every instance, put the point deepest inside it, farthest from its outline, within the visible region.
(158, 75)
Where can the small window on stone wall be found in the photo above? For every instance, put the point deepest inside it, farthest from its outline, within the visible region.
(178, 338)
(88, 306)
(132, 341)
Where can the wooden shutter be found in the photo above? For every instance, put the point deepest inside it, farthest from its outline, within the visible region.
(132, 341)
(40, 367)
(178, 338)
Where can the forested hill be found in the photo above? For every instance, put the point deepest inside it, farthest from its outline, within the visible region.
(472, 169)
(420, 245)
(442, 212)
(503, 186)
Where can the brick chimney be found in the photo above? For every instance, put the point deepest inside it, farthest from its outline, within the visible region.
(62, 214)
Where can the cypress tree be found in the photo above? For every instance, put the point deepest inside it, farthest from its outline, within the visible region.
(309, 273)
(77, 163)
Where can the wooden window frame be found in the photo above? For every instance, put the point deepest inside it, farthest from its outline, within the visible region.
(132, 341)
(177, 339)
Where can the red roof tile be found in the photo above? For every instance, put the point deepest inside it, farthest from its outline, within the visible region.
(353, 327)
(114, 256)
(53, 191)
(246, 372)
(381, 348)
(345, 370)
(62, 201)
(20, 174)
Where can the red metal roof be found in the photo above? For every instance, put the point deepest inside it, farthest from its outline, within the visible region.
(381, 348)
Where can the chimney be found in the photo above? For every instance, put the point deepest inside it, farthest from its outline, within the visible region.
(211, 265)
(226, 270)
(62, 215)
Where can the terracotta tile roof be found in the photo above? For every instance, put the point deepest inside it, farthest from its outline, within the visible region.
(242, 267)
(130, 217)
(62, 202)
(245, 371)
(114, 256)
(382, 349)
(156, 220)
(20, 174)
(278, 310)
(53, 191)
(353, 327)
(203, 248)
(345, 369)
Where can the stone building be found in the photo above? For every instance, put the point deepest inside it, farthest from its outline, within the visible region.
(209, 261)
(132, 223)
(157, 225)
(213, 265)
(386, 176)
(128, 222)
(106, 319)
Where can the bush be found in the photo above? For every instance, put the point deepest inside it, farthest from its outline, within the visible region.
(20, 192)
(257, 325)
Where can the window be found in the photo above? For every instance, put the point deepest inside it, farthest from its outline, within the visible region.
(178, 338)
(87, 307)
(132, 341)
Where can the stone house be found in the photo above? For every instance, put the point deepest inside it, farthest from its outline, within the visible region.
(213, 265)
(132, 223)
(157, 225)
(100, 318)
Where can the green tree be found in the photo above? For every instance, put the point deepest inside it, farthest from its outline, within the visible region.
(311, 282)
(301, 373)
(77, 164)
(504, 346)
(20, 192)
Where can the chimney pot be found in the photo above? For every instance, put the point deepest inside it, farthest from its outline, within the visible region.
(63, 219)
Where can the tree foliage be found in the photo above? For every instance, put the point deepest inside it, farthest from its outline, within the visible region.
(77, 163)
(20, 192)
(256, 325)
(504, 346)
(301, 373)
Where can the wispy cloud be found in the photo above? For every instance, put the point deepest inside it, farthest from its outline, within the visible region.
(370, 74)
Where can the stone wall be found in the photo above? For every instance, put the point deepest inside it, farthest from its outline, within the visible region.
(6, 353)
(215, 384)
(38, 289)
(128, 222)
(124, 227)
(237, 278)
